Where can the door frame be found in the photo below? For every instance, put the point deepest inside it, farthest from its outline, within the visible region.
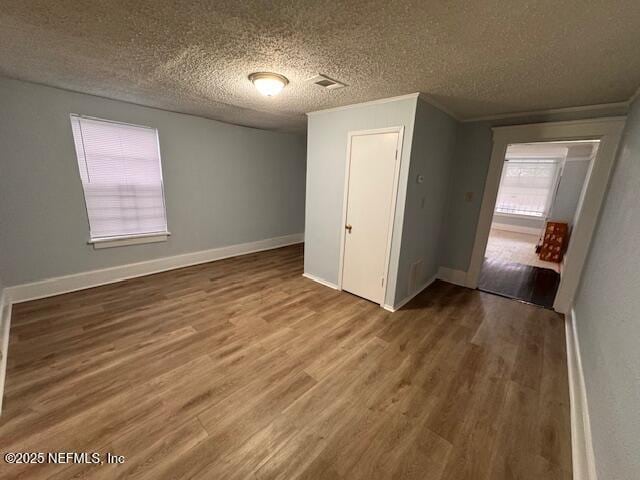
(609, 131)
(394, 199)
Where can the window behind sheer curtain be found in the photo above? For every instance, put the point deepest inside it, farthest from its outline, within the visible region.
(526, 187)
(121, 176)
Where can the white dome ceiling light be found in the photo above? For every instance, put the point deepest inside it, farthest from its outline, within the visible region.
(268, 84)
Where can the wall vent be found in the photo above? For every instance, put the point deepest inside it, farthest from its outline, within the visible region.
(415, 272)
(326, 82)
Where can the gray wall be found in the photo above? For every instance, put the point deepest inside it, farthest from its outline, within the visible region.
(432, 149)
(570, 189)
(326, 157)
(529, 222)
(607, 310)
(224, 184)
(471, 163)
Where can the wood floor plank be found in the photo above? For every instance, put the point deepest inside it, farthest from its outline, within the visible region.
(242, 369)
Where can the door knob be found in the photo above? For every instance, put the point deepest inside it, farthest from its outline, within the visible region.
(348, 227)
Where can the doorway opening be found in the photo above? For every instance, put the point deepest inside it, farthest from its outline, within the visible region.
(607, 131)
(538, 203)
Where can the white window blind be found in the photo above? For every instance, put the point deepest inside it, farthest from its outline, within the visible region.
(526, 187)
(121, 176)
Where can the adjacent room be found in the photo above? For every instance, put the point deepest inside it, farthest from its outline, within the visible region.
(539, 201)
(290, 240)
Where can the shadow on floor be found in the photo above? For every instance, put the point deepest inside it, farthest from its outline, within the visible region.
(523, 282)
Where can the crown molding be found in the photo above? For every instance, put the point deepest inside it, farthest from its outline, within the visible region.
(365, 104)
(532, 113)
(634, 97)
(551, 111)
(434, 103)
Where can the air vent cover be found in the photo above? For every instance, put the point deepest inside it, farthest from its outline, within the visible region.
(326, 82)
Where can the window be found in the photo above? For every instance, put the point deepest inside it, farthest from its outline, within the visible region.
(526, 187)
(121, 176)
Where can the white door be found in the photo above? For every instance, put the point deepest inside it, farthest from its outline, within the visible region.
(370, 207)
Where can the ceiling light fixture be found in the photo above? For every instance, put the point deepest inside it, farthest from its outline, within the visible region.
(269, 84)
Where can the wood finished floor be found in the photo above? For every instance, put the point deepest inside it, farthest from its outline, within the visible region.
(244, 369)
(516, 247)
(523, 282)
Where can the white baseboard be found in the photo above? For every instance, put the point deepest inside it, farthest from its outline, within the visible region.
(94, 278)
(5, 323)
(583, 458)
(449, 275)
(320, 281)
(517, 228)
(410, 297)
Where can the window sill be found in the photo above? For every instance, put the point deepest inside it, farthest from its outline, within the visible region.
(129, 240)
(520, 215)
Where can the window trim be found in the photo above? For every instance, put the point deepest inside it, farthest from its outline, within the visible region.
(136, 238)
(124, 240)
(518, 215)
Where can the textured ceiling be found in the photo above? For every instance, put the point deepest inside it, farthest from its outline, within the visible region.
(476, 58)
